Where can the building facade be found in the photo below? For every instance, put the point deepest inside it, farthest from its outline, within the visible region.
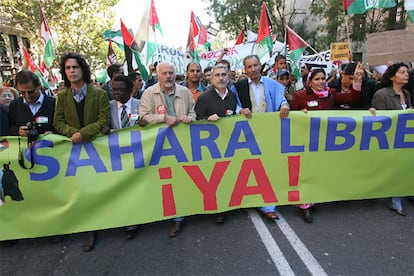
(12, 39)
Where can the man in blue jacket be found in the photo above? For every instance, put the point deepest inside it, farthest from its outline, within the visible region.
(259, 94)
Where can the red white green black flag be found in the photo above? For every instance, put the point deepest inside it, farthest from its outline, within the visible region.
(361, 6)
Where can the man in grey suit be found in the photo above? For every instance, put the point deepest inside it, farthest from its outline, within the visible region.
(124, 113)
(124, 107)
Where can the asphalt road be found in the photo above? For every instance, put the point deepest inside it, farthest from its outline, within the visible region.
(346, 238)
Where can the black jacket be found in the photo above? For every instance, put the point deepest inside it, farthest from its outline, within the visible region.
(20, 114)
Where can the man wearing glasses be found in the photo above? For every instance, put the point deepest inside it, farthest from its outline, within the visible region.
(32, 106)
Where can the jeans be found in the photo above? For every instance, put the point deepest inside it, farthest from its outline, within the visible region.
(396, 203)
(179, 219)
(267, 209)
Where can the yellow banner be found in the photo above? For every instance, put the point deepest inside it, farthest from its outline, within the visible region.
(145, 174)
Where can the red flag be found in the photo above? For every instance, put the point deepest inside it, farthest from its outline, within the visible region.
(192, 38)
(347, 3)
(240, 38)
(128, 41)
(264, 26)
(32, 66)
(126, 35)
(294, 40)
(198, 30)
(264, 35)
(131, 51)
(193, 45)
(154, 22)
(35, 69)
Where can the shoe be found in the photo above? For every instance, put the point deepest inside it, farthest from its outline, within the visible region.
(306, 215)
(398, 211)
(220, 218)
(131, 233)
(271, 215)
(175, 229)
(89, 242)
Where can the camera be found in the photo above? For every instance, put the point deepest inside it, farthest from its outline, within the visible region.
(32, 132)
(32, 136)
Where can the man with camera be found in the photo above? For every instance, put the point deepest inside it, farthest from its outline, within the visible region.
(32, 113)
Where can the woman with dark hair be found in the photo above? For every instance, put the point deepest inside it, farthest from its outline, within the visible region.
(345, 82)
(318, 96)
(393, 97)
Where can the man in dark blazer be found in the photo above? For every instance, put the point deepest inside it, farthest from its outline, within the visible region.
(32, 106)
(217, 102)
(4, 121)
(82, 110)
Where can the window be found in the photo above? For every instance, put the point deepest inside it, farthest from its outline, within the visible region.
(3, 51)
(14, 45)
(26, 42)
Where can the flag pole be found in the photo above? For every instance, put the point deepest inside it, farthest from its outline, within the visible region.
(286, 53)
(314, 51)
(347, 28)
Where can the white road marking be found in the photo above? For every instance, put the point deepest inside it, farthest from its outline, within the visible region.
(303, 252)
(272, 248)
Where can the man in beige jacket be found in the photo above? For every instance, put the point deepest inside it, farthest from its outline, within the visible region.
(170, 103)
(166, 101)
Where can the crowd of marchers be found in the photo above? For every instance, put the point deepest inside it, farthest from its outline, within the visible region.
(81, 109)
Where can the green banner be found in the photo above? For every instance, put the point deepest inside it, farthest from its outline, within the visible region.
(152, 173)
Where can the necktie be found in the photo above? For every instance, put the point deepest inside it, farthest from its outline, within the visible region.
(124, 117)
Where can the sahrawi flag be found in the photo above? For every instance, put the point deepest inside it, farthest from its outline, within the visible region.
(296, 47)
(361, 6)
(193, 45)
(48, 50)
(131, 50)
(199, 33)
(264, 43)
(409, 7)
(154, 21)
(35, 69)
(154, 33)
